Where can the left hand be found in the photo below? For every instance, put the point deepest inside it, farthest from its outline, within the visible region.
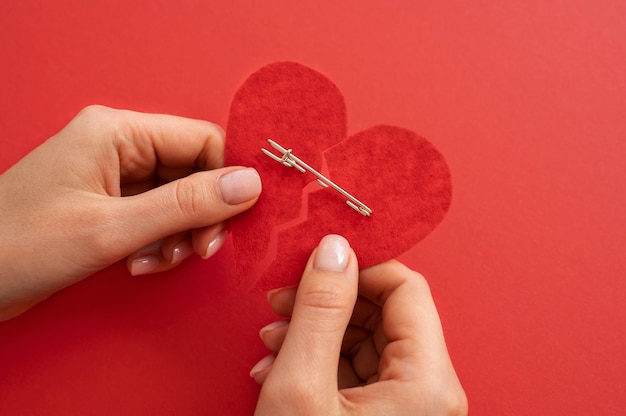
(112, 184)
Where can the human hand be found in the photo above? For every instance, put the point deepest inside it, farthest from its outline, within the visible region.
(112, 184)
(368, 345)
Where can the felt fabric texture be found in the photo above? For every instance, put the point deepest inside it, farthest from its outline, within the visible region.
(400, 175)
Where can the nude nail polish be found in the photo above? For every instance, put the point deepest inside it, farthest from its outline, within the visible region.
(262, 365)
(144, 265)
(332, 254)
(215, 244)
(240, 185)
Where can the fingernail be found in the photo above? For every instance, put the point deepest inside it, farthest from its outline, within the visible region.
(262, 365)
(144, 265)
(272, 326)
(332, 254)
(215, 244)
(240, 186)
(181, 251)
(272, 292)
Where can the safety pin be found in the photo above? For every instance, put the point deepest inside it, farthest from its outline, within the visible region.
(290, 160)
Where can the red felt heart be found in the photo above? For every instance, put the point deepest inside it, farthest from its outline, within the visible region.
(400, 175)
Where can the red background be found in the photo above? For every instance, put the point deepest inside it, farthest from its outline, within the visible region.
(526, 101)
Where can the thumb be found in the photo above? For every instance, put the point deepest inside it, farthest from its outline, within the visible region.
(306, 366)
(198, 200)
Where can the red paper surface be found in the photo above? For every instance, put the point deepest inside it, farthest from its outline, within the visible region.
(524, 99)
(402, 177)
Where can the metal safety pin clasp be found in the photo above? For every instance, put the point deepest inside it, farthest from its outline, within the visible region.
(290, 160)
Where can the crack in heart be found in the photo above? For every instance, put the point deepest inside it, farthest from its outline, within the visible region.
(401, 173)
(311, 188)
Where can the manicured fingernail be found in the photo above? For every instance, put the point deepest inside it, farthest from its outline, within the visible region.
(262, 365)
(332, 254)
(240, 186)
(272, 292)
(272, 326)
(181, 251)
(144, 265)
(215, 244)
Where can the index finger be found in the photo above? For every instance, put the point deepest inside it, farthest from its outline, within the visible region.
(408, 309)
(145, 142)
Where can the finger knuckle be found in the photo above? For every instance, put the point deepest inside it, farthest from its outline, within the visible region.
(456, 403)
(190, 197)
(418, 281)
(218, 132)
(93, 111)
(448, 397)
(324, 299)
(95, 119)
(212, 155)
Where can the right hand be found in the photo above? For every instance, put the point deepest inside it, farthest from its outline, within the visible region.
(369, 346)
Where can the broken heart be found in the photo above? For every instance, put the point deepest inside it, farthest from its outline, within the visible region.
(397, 173)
